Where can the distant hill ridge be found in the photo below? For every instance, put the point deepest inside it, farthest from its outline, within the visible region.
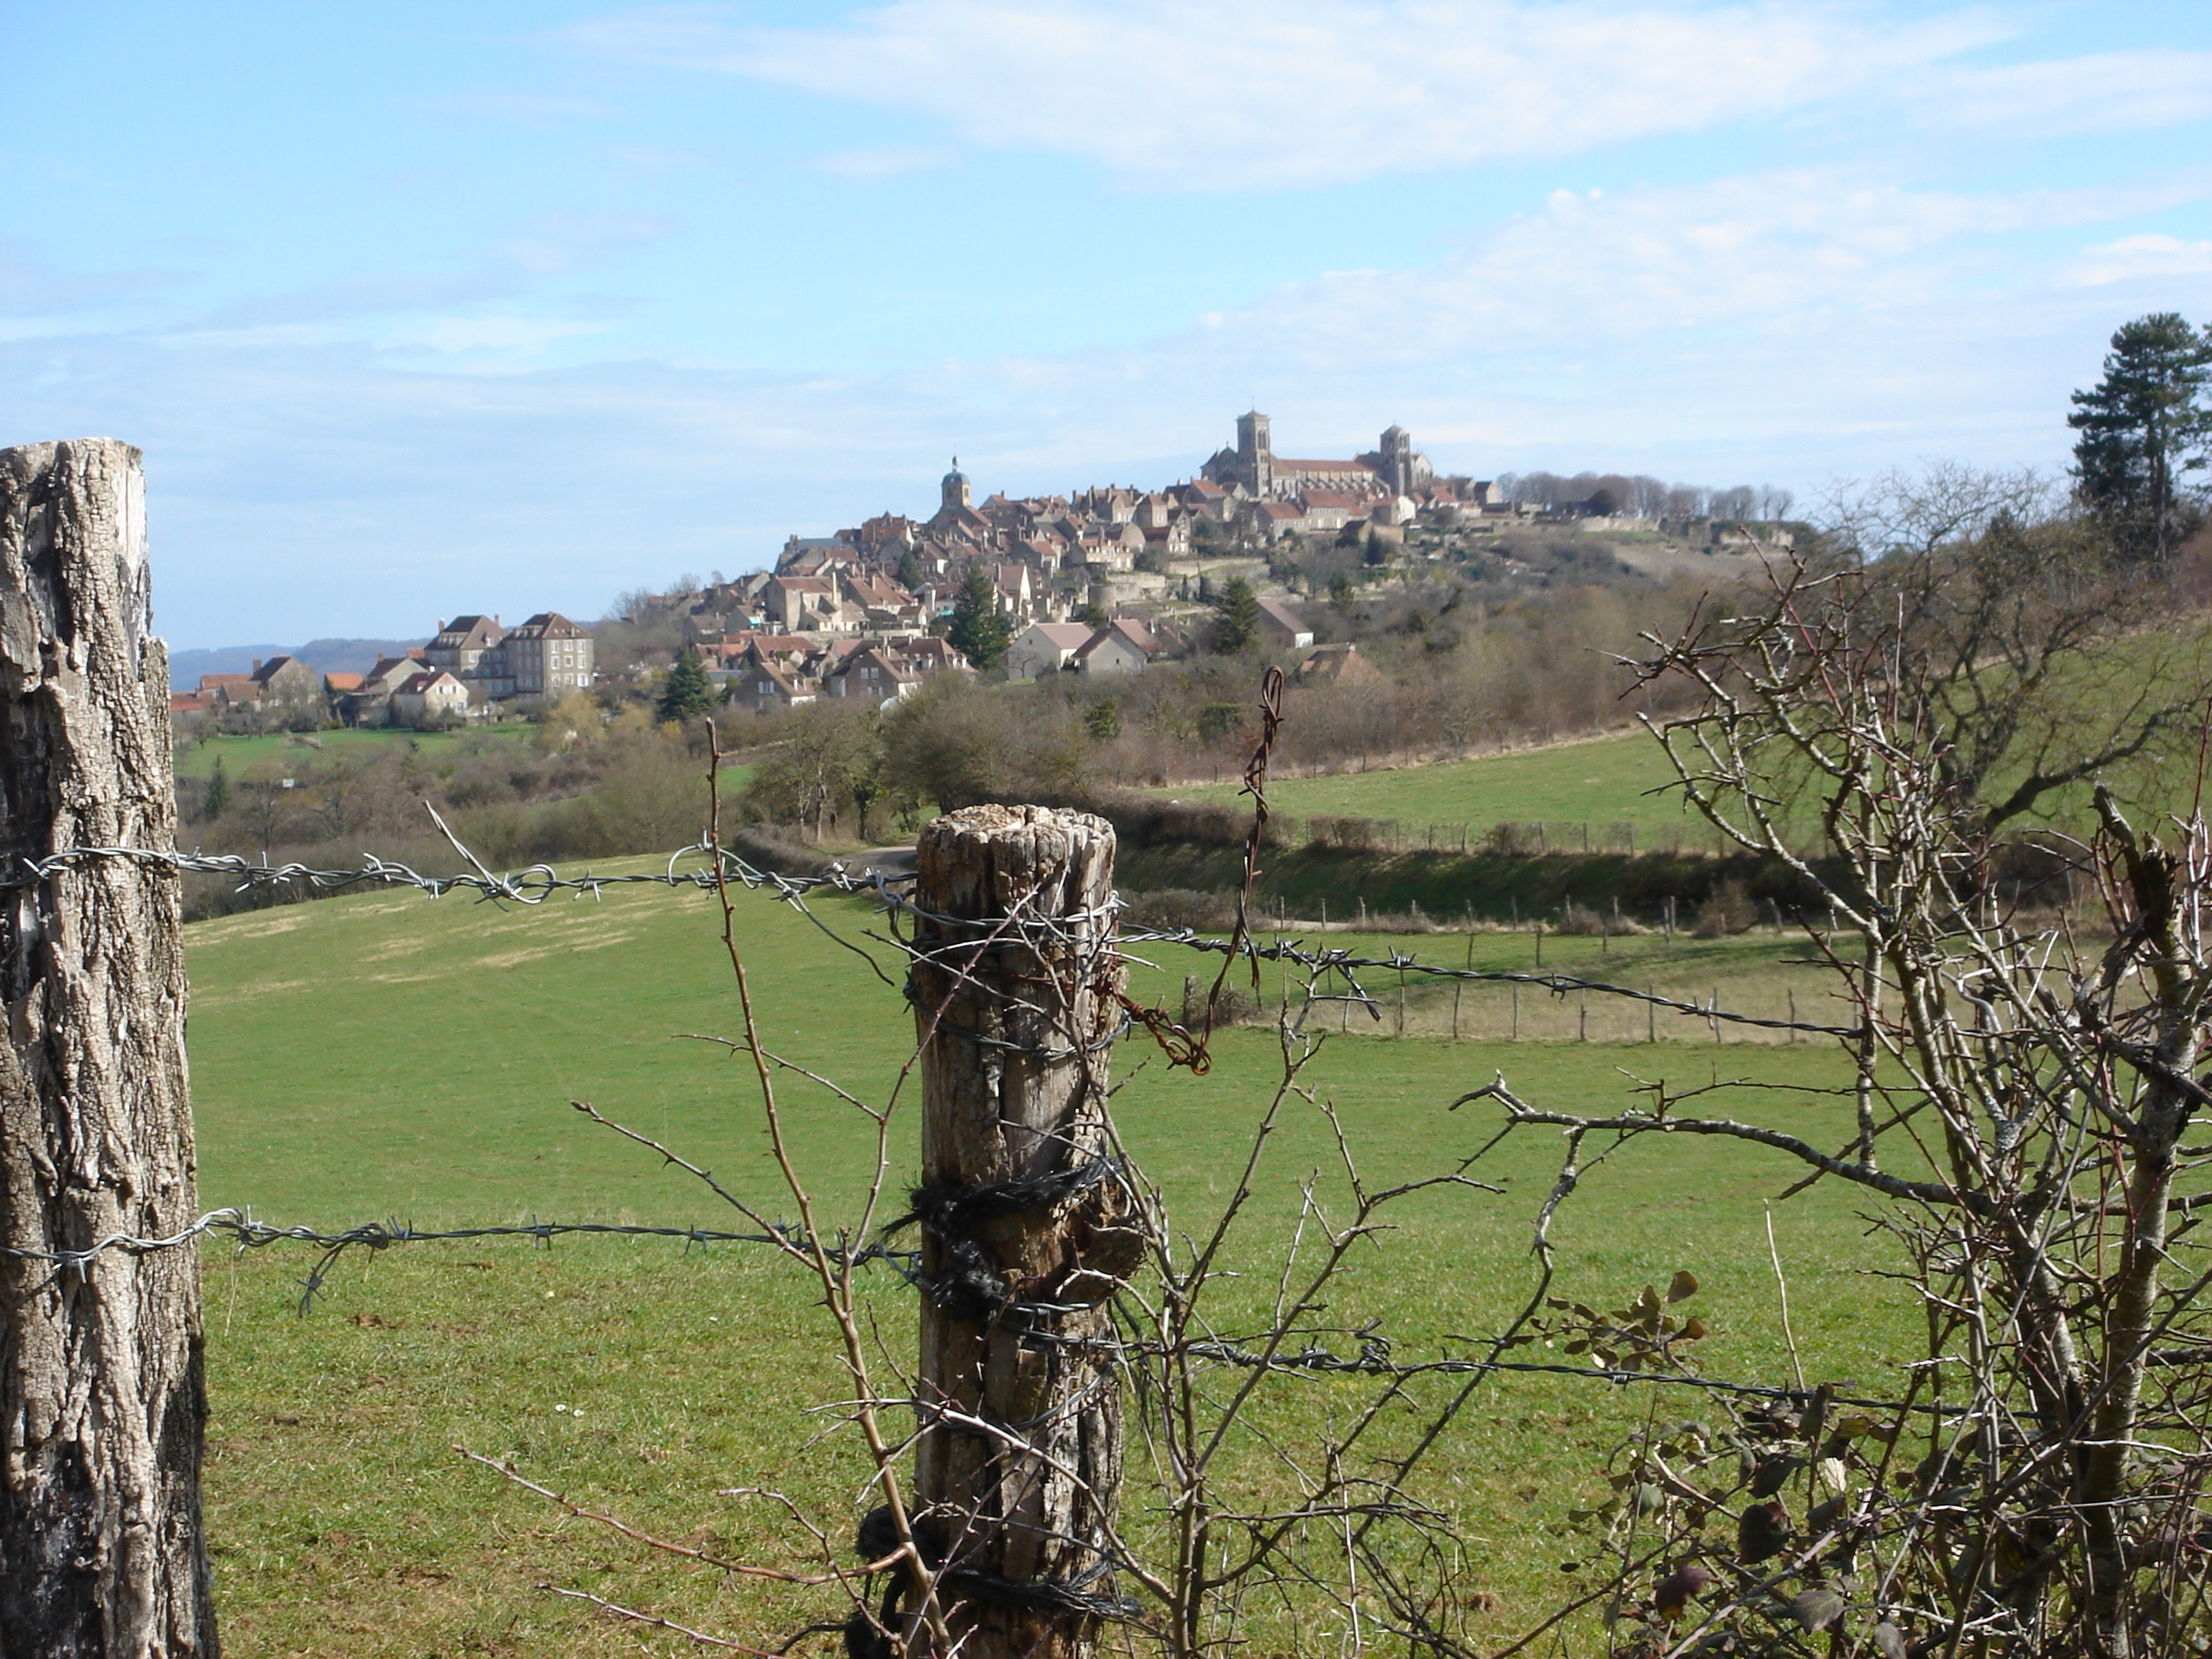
(325, 656)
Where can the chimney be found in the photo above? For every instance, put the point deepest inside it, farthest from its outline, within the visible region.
(256, 665)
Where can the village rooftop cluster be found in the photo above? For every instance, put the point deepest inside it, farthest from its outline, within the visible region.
(473, 666)
(1103, 581)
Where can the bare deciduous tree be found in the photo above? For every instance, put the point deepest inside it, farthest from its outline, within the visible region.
(2022, 1098)
(2003, 622)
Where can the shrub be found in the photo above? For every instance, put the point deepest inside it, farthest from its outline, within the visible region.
(1728, 912)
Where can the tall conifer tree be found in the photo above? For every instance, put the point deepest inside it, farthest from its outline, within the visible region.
(2144, 428)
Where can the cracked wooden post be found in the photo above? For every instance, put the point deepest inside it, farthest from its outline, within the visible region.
(1025, 1228)
(102, 1401)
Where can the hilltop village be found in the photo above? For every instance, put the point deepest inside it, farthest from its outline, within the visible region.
(1103, 581)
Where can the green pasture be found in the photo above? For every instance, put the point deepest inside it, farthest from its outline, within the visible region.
(388, 1057)
(242, 754)
(1626, 779)
(1603, 781)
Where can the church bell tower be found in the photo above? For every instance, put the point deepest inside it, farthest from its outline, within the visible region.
(1255, 455)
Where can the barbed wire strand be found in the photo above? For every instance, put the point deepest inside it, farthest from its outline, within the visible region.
(540, 882)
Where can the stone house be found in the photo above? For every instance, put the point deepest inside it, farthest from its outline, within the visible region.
(1045, 648)
(547, 657)
(462, 644)
(368, 704)
(759, 681)
(1283, 625)
(874, 674)
(931, 654)
(433, 694)
(1124, 646)
(1016, 588)
(1272, 520)
(1107, 548)
(1331, 509)
(226, 692)
(807, 604)
(286, 682)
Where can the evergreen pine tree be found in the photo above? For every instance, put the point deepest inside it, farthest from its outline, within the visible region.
(1236, 618)
(687, 693)
(909, 572)
(980, 628)
(2143, 427)
(217, 801)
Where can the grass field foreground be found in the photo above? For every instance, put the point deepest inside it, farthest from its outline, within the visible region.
(390, 1056)
(242, 756)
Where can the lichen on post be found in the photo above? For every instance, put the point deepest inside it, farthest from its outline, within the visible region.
(102, 1398)
(1027, 1229)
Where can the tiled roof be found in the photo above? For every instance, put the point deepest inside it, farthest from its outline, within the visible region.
(1066, 636)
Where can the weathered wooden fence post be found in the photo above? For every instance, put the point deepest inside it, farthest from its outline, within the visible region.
(1027, 1228)
(102, 1399)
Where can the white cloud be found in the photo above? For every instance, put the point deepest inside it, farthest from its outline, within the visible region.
(1791, 252)
(2104, 92)
(1269, 94)
(1788, 325)
(2148, 256)
(1283, 93)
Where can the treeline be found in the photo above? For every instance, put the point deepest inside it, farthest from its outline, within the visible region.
(1640, 495)
(1438, 675)
(581, 788)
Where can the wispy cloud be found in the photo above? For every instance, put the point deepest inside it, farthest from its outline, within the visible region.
(2101, 92)
(1788, 325)
(563, 242)
(2134, 257)
(1239, 94)
(31, 285)
(1798, 251)
(885, 161)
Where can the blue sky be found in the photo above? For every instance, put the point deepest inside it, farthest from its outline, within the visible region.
(420, 309)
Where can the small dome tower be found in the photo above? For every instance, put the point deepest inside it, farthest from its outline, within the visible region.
(953, 491)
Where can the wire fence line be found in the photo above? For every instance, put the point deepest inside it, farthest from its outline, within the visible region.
(246, 1233)
(538, 883)
(1373, 1358)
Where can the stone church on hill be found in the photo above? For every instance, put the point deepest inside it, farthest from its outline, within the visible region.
(1394, 468)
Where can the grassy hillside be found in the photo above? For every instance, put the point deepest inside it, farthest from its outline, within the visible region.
(391, 1057)
(1626, 779)
(1604, 780)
